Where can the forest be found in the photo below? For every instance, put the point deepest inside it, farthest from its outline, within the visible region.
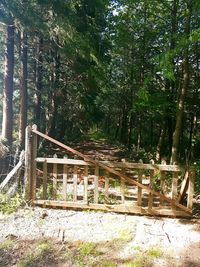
(127, 70)
(99, 112)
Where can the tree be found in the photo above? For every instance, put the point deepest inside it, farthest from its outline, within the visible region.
(184, 88)
(23, 91)
(7, 122)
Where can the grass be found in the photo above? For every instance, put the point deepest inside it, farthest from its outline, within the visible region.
(10, 205)
(125, 235)
(107, 263)
(155, 253)
(7, 244)
(145, 258)
(87, 249)
(48, 252)
(34, 257)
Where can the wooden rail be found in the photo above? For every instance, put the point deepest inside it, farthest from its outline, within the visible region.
(13, 172)
(136, 192)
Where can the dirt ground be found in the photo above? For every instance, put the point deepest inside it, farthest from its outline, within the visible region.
(49, 237)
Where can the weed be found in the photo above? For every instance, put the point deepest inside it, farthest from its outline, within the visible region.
(43, 247)
(37, 255)
(140, 261)
(87, 249)
(107, 263)
(137, 248)
(7, 244)
(10, 205)
(132, 264)
(145, 259)
(41, 222)
(125, 235)
(154, 253)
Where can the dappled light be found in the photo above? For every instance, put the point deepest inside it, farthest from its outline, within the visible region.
(99, 133)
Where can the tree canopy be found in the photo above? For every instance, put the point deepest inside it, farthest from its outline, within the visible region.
(126, 68)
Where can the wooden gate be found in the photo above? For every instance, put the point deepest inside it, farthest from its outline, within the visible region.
(84, 183)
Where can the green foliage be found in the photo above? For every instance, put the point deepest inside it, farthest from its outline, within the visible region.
(113, 65)
(96, 135)
(107, 263)
(146, 258)
(126, 235)
(197, 173)
(138, 154)
(87, 249)
(155, 253)
(7, 244)
(10, 205)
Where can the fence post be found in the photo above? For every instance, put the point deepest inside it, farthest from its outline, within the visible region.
(33, 163)
(190, 188)
(27, 173)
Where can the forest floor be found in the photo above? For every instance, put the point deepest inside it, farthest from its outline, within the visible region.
(49, 237)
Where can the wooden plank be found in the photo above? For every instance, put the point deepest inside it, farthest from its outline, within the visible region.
(120, 165)
(112, 208)
(55, 173)
(34, 165)
(174, 187)
(106, 187)
(85, 196)
(162, 185)
(190, 189)
(131, 181)
(64, 188)
(75, 180)
(139, 194)
(184, 187)
(96, 184)
(63, 161)
(122, 186)
(45, 180)
(143, 166)
(122, 190)
(150, 200)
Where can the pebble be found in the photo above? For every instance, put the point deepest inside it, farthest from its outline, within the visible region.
(72, 226)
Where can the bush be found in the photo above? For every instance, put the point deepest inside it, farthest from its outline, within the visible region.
(10, 205)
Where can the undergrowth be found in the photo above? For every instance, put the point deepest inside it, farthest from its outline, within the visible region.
(10, 205)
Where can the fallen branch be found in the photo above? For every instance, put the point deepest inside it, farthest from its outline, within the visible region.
(13, 171)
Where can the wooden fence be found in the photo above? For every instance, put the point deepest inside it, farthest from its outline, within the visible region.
(85, 183)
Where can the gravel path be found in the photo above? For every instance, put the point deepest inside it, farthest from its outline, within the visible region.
(179, 238)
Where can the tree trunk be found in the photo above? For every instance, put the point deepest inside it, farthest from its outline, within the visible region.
(139, 127)
(130, 131)
(118, 127)
(38, 81)
(183, 91)
(7, 122)
(159, 145)
(124, 126)
(23, 93)
(55, 100)
(170, 84)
